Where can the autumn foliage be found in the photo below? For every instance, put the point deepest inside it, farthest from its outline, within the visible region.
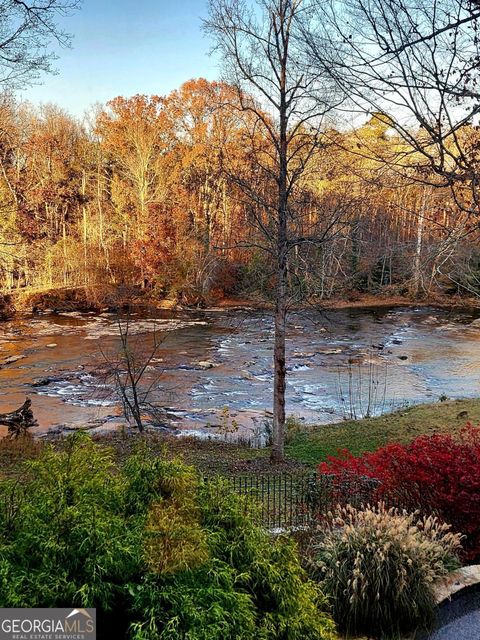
(437, 474)
(150, 191)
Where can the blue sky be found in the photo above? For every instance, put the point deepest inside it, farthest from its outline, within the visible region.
(124, 47)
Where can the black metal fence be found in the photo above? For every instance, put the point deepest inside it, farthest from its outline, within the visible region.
(286, 501)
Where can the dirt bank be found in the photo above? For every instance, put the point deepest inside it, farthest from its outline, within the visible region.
(7, 307)
(84, 299)
(101, 298)
(362, 302)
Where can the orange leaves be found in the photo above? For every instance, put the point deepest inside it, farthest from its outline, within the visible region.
(131, 124)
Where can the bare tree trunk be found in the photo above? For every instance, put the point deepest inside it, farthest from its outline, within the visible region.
(85, 232)
(103, 245)
(417, 263)
(64, 245)
(279, 382)
(260, 42)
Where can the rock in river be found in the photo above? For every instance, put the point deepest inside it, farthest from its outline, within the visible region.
(12, 359)
(206, 364)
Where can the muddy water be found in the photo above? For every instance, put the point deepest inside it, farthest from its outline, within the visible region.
(340, 363)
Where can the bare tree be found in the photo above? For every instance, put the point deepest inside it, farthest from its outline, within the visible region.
(259, 42)
(415, 65)
(127, 368)
(27, 29)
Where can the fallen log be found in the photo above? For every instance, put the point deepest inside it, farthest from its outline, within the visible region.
(20, 420)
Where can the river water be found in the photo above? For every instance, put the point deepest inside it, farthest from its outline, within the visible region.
(340, 363)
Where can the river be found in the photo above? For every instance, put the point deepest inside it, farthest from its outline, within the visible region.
(340, 363)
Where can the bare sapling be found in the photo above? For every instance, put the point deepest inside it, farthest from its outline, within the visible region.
(128, 367)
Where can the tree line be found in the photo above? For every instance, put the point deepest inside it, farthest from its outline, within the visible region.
(141, 192)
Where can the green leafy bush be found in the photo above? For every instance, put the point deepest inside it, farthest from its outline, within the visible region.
(198, 604)
(160, 554)
(379, 567)
(65, 538)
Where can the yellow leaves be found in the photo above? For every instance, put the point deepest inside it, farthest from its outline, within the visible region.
(174, 539)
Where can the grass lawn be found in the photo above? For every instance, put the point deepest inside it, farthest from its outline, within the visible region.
(317, 443)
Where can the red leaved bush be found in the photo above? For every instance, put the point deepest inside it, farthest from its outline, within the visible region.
(437, 474)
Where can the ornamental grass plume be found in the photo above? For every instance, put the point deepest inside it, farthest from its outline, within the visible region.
(379, 567)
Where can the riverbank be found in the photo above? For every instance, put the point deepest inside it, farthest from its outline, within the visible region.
(103, 298)
(306, 447)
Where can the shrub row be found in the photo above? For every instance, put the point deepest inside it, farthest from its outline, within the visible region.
(157, 553)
